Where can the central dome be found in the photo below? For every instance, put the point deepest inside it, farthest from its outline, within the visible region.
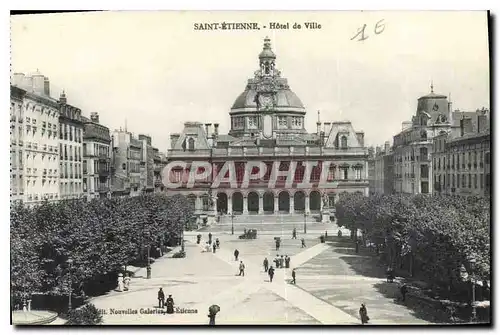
(267, 81)
(284, 99)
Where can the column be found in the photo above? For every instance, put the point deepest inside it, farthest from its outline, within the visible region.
(229, 204)
(261, 204)
(307, 205)
(321, 202)
(215, 204)
(292, 203)
(276, 204)
(245, 205)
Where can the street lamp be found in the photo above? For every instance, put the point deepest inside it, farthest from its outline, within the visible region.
(472, 262)
(232, 223)
(70, 263)
(305, 224)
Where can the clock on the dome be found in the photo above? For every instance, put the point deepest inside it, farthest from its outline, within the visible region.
(265, 101)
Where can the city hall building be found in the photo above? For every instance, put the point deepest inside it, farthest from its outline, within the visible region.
(292, 171)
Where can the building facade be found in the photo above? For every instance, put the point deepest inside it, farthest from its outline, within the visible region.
(461, 157)
(70, 150)
(96, 158)
(159, 163)
(413, 145)
(267, 138)
(34, 140)
(147, 164)
(384, 170)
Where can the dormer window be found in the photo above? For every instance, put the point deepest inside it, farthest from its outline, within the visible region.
(191, 143)
(343, 142)
(297, 122)
(252, 122)
(282, 123)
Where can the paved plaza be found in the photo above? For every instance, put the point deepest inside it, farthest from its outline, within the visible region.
(329, 289)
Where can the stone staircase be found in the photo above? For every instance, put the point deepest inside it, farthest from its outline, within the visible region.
(269, 218)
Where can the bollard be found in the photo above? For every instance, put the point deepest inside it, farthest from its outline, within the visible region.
(148, 269)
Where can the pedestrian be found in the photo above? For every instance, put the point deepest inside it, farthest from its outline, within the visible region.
(271, 274)
(242, 269)
(277, 244)
(126, 282)
(212, 312)
(303, 243)
(207, 247)
(161, 298)
(209, 238)
(293, 276)
(236, 254)
(363, 314)
(357, 246)
(217, 242)
(404, 290)
(282, 262)
(170, 304)
(326, 233)
(266, 264)
(287, 261)
(294, 233)
(276, 262)
(214, 247)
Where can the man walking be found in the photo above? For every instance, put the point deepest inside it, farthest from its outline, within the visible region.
(242, 269)
(294, 233)
(236, 254)
(363, 314)
(271, 274)
(161, 298)
(277, 244)
(287, 261)
(303, 243)
(282, 261)
(293, 276)
(209, 238)
(266, 264)
(404, 290)
(214, 247)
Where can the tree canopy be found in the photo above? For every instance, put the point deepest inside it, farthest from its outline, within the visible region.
(100, 237)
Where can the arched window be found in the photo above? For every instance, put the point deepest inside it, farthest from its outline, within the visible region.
(191, 143)
(343, 142)
(423, 135)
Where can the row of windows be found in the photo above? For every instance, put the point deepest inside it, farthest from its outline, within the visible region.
(96, 149)
(298, 175)
(69, 152)
(98, 167)
(71, 133)
(252, 122)
(470, 160)
(461, 180)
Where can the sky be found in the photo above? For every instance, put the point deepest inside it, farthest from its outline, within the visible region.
(152, 71)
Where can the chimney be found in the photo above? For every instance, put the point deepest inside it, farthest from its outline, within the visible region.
(18, 79)
(318, 126)
(94, 117)
(62, 98)
(482, 123)
(173, 140)
(46, 86)
(387, 147)
(216, 129)
(465, 126)
(207, 129)
(38, 83)
(360, 135)
(28, 83)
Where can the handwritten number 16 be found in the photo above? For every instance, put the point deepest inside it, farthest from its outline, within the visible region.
(379, 28)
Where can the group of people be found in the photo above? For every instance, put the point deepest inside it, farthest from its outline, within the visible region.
(281, 262)
(169, 303)
(209, 245)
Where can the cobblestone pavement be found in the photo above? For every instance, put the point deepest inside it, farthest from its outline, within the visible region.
(205, 278)
(345, 279)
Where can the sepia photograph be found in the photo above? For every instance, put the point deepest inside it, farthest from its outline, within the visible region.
(220, 168)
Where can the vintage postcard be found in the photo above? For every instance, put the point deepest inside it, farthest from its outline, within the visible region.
(250, 168)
